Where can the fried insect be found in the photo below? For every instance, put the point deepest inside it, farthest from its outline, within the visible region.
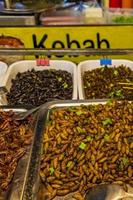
(102, 83)
(97, 147)
(14, 138)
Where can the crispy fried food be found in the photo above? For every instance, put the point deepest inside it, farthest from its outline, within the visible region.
(98, 147)
(14, 138)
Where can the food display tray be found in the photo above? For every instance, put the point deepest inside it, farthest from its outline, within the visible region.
(26, 65)
(94, 64)
(33, 181)
(16, 187)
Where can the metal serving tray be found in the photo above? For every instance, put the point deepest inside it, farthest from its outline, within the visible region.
(33, 181)
(15, 188)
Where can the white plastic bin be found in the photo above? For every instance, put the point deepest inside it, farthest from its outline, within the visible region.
(93, 64)
(26, 65)
(3, 69)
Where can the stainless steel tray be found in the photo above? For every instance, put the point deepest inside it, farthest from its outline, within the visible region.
(33, 181)
(15, 188)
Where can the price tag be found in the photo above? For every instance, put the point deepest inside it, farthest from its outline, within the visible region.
(38, 62)
(42, 62)
(105, 61)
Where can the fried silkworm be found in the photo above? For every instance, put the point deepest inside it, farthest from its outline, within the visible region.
(97, 148)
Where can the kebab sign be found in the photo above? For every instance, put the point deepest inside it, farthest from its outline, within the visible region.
(102, 37)
(71, 43)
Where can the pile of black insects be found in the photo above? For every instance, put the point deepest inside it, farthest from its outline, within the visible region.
(33, 88)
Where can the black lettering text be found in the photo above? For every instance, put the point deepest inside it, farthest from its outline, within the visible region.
(89, 43)
(58, 45)
(71, 43)
(41, 43)
(101, 42)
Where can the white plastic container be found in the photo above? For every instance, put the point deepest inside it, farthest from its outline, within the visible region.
(3, 69)
(26, 65)
(93, 64)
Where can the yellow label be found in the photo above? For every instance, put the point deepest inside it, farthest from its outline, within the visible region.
(72, 37)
